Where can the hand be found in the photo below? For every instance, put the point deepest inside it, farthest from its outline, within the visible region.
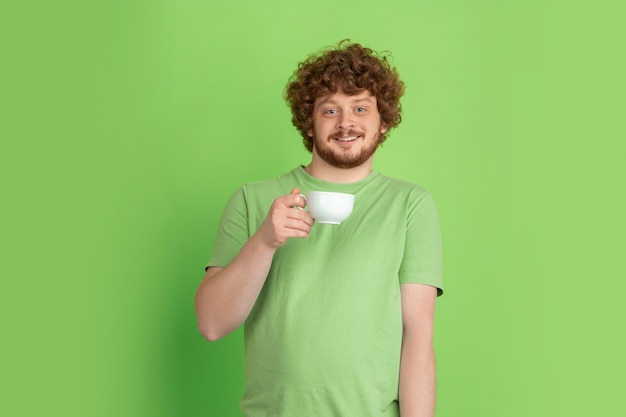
(285, 221)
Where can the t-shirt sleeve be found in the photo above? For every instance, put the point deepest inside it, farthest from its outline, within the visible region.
(232, 231)
(422, 262)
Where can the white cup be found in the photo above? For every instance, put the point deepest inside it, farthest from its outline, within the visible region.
(328, 207)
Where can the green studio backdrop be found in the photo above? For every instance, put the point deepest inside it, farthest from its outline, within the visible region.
(127, 126)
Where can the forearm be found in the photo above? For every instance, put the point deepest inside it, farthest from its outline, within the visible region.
(417, 378)
(226, 296)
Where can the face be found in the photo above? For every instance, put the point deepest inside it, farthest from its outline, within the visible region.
(346, 128)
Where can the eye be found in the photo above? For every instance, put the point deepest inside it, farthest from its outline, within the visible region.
(360, 110)
(330, 112)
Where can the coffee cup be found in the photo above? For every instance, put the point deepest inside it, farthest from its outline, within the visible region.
(329, 207)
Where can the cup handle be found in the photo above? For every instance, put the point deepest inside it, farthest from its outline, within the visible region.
(305, 202)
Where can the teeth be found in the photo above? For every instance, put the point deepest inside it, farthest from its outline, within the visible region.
(348, 139)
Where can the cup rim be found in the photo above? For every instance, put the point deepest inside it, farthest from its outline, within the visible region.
(329, 192)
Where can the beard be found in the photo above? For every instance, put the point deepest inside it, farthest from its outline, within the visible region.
(346, 158)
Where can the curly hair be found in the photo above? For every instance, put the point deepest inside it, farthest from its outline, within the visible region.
(351, 68)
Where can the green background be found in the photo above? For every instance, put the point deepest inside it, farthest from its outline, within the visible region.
(126, 125)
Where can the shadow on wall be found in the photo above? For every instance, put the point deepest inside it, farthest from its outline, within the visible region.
(200, 378)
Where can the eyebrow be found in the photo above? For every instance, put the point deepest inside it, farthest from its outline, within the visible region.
(357, 101)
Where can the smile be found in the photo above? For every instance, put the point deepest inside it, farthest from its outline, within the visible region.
(347, 139)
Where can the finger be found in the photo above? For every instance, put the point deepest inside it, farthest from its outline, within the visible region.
(305, 217)
(297, 226)
(296, 191)
(301, 216)
(295, 200)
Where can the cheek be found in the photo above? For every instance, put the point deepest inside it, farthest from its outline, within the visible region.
(321, 127)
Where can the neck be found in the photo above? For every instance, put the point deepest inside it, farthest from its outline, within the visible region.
(322, 170)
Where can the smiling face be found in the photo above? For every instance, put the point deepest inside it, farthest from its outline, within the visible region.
(346, 128)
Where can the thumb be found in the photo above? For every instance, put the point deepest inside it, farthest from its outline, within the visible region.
(301, 200)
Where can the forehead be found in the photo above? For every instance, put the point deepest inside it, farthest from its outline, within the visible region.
(340, 97)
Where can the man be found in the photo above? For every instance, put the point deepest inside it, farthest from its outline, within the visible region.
(338, 318)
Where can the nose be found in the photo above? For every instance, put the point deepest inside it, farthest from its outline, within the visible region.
(345, 121)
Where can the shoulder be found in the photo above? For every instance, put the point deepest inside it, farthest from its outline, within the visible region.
(266, 190)
(285, 178)
(412, 192)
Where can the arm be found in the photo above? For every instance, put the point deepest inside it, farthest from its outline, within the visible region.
(226, 295)
(417, 363)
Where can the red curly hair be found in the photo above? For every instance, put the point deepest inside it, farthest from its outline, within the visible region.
(351, 68)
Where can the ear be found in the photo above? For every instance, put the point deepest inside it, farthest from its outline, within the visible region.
(383, 129)
(309, 133)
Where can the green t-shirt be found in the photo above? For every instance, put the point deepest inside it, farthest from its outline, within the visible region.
(324, 336)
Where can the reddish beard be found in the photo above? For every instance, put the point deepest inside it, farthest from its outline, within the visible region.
(345, 158)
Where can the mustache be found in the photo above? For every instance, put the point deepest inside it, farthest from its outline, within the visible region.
(343, 134)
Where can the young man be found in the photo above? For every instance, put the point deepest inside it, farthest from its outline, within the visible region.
(338, 318)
